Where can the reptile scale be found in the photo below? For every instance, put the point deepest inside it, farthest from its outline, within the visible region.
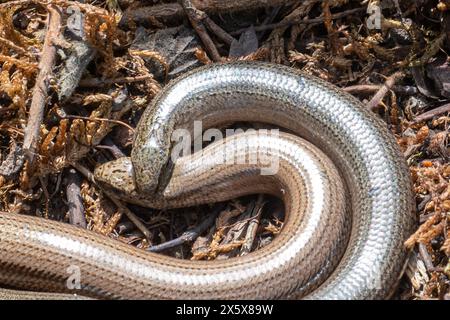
(346, 218)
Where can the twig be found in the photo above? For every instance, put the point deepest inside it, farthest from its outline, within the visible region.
(73, 194)
(46, 194)
(97, 82)
(213, 27)
(133, 218)
(297, 22)
(371, 88)
(40, 91)
(389, 83)
(112, 147)
(126, 125)
(169, 11)
(252, 226)
(58, 184)
(426, 257)
(189, 235)
(195, 17)
(269, 19)
(432, 113)
(218, 31)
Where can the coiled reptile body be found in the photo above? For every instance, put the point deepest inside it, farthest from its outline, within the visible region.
(374, 177)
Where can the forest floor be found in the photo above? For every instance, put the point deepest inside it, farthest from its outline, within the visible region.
(75, 77)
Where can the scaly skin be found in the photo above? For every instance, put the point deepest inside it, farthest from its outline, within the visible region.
(315, 232)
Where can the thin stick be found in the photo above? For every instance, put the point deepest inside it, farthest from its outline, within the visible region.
(252, 226)
(133, 218)
(112, 147)
(297, 22)
(99, 119)
(378, 97)
(168, 11)
(96, 82)
(432, 113)
(40, 91)
(195, 17)
(372, 88)
(426, 257)
(202, 17)
(189, 235)
(73, 194)
(218, 31)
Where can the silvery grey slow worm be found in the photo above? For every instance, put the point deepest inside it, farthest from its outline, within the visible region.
(345, 185)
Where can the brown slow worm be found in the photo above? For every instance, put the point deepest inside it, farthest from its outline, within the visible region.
(346, 218)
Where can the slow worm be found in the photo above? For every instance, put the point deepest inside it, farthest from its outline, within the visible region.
(346, 218)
